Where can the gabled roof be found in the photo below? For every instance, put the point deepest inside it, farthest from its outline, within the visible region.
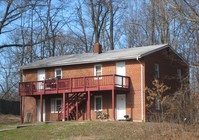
(112, 55)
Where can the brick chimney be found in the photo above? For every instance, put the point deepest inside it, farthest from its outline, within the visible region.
(97, 48)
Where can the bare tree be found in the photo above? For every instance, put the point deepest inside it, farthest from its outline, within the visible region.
(99, 12)
(111, 24)
(186, 9)
(12, 11)
(9, 76)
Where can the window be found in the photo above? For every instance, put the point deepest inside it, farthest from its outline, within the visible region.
(98, 70)
(156, 71)
(98, 103)
(58, 73)
(55, 104)
(179, 74)
(157, 103)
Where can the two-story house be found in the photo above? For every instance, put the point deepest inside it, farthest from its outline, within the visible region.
(79, 86)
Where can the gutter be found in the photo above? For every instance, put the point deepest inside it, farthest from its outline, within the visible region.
(141, 88)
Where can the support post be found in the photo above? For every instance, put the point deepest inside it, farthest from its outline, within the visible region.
(67, 105)
(71, 85)
(64, 106)
(41, 107)
(98, 82)
(114, 82)
(21, 115)
(56, 85)
(89, 106)
(113, 103)
(76, 108)
(84, 83)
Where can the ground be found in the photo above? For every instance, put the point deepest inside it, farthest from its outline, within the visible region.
(8, 121)
(98, 130)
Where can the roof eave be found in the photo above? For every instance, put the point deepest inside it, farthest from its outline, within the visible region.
(96, 61)
(183, 59)
(74, 63)
(153, 51)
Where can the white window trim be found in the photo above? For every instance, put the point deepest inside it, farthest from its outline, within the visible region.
(95, 103)
(53, 103)
(56, 73)
(95, 71)
(158, 71)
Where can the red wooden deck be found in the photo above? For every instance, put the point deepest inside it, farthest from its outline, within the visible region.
(73, 85)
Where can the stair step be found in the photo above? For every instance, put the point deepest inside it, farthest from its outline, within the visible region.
(72, 105)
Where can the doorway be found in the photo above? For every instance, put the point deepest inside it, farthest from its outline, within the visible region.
(120, 70)
(40, 77)
(121, 106)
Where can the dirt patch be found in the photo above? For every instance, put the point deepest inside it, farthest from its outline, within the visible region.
(9, 119)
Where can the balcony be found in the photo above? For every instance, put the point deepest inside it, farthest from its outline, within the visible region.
(73, 85)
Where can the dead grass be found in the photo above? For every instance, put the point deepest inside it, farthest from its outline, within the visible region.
(104, 131)
(8, 120)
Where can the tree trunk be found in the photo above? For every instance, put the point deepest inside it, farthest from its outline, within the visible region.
(153, 22)
(111, 25)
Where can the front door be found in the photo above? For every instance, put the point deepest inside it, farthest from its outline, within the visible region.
(39, 112)
(121, 106)
(120, 70)
(40, 77)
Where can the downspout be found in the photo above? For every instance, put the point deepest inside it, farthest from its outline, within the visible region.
(141, 87)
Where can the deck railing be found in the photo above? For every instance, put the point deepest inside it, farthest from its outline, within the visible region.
(78, 84)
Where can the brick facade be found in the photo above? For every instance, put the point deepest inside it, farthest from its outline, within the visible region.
(168, 62)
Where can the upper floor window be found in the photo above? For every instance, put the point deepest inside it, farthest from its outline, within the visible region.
(157, 75)
(58, 73)
(179, 74)
(98, 103)
(98, 70)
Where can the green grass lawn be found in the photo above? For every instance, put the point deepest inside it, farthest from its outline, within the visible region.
(102, 131)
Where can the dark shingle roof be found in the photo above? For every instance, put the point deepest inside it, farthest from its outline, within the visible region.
(113, 55)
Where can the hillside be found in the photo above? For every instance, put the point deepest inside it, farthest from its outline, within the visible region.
(103, 131)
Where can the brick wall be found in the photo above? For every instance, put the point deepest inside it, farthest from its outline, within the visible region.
(133, 69)
(168, 62)
(168, 67)
(133, 98)
(29, 106)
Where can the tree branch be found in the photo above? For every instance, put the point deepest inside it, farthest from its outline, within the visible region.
(23, 45)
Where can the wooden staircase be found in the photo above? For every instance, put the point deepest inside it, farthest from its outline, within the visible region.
(74, 100)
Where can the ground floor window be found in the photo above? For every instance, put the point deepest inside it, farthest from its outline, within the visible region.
(55, 104)
(98, 103)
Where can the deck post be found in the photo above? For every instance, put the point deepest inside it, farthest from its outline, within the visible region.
(57, 85)
(113, 103)
(64, 106)
(98, 82)
(71, 85)
(41, 107)
(89, 106)
(21, 115)
(76, 108)
(84, 83)
(67, 105)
